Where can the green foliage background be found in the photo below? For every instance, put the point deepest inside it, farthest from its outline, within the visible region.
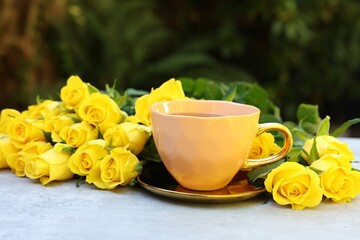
(298, 50)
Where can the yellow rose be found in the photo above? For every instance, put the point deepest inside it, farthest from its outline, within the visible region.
(78, 134)
(117, 168)
(292, 183)
(142, 109)
(4, 141)
(22, 131)
(327, 145)
(49, 166)
(6, 148)
(132, 119)
(170, 90)
(41, 110)
(5, 116)
(99, 108)
(340, 183)
(131, 136)
(16, 161)
(55, 124)
(85, 157)
(264, 145)
(74, 92)
(329, 160)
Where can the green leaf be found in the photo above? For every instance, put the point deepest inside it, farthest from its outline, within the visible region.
(294, 155)
(212, 91)
(314, 154)
(241, 90)
(92, 89)
(69, 150)
(266, 117)
(110, 89)
(80, 181)
(254, 94)
(121, 100)
(150, 153)
(308, 116)
(135, 92)
(258, 97)
(199, 88)
(340, 130)
(48, 136)
(74, 118)
(39, 99)
(202, 88)
(276, 110)
(133, 182)
(299, 136)
(318, 171)
(308, 113)
(290, 125)
(139, 167)
(324, 127)
(112, 92)
(262, 172)
(187, 84)
(231, 93)
(305, 153)
(100, 135)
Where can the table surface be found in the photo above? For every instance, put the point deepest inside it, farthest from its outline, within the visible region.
(29, 210)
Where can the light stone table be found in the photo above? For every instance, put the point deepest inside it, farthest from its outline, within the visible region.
(29, 210)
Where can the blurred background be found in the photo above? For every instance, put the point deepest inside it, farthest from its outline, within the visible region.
(300, 51)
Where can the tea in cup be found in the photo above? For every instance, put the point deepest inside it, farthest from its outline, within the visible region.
(204, 143)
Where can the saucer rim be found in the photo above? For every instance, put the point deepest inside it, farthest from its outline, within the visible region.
(199, 197)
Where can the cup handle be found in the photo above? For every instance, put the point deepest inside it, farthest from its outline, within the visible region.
(263, 127)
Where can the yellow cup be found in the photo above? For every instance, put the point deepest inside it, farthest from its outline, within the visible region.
(204, 143)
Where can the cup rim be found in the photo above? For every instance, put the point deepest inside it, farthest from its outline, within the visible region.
(153, 108)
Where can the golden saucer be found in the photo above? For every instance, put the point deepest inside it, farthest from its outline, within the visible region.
(156, 179)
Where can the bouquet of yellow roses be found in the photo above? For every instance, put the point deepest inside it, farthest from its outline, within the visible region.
(104, 138)
(85, 134)
(318, 165)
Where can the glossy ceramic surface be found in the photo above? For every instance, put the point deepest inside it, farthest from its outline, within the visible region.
(205, 153)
